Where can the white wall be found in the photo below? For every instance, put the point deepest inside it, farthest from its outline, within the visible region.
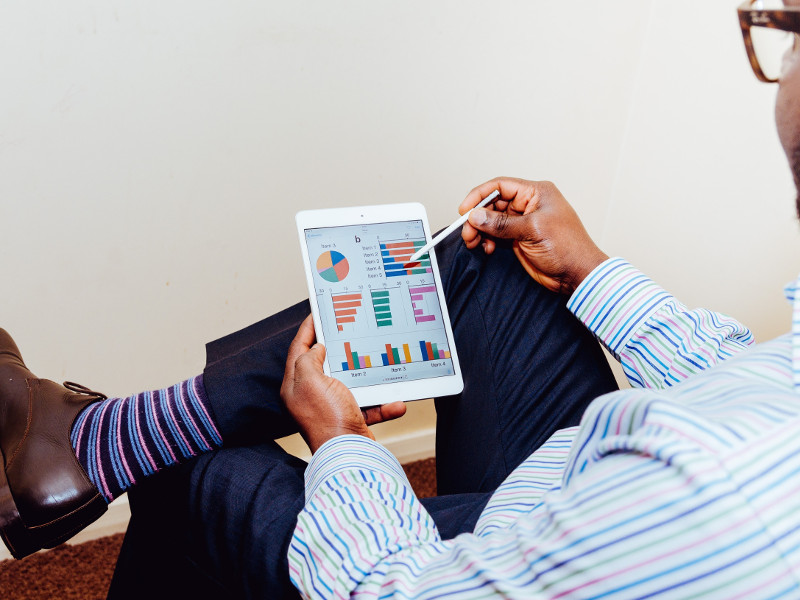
(153, 154)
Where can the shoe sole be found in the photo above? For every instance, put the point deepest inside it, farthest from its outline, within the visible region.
(22, 541)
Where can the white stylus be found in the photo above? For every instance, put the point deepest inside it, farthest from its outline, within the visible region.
(456, 224)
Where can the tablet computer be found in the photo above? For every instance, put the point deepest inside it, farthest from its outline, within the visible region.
(382, 319)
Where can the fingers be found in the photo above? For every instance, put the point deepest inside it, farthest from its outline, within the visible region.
(301, 344)
(385, 412)
(500, 224)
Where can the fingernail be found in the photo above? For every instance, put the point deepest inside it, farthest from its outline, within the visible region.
(478, 216)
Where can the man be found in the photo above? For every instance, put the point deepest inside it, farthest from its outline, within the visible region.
(684, 487)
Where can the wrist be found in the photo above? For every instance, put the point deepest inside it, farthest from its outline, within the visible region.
(587, 263)
(320, 436)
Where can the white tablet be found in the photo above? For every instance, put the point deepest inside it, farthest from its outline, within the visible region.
(383, 320)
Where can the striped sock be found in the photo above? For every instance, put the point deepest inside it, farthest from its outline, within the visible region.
(120, 441)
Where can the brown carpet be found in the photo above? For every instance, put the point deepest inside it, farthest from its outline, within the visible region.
(83, 571)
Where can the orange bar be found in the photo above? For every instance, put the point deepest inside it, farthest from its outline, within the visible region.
(346, 297)
(446, 354)
(407, 352)
(367, 362)
(399, 245)
(349, 353)
(345, 312)
(390, 354)
(338, 305)
(345, 319)
(430, 351)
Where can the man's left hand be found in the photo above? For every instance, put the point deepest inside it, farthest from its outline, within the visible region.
(323, 406)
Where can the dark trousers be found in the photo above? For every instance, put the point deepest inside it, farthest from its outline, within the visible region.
(220, 525)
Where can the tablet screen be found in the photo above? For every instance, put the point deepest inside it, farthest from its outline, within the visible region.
(381, 317)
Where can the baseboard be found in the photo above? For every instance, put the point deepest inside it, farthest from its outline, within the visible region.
(407, 448)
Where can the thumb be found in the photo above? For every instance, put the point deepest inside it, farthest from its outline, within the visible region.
(313, 359)
(499, 224)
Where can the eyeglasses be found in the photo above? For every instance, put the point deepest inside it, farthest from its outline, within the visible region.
(769, 34)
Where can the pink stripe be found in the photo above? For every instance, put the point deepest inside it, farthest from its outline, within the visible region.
(158, 425)
(137, 423)
(120, 448)
(106, 490)
(172, 416)
(206, 414)
(184, 397)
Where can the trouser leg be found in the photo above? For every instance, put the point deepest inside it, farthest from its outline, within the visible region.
(530, 368)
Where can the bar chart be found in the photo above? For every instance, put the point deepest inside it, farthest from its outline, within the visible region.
(381, 304)
(401, 354)
(424, 302)
(395, 255)
(345, 308)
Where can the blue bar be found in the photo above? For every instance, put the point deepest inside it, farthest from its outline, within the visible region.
(424, 351)
(385, 359)
(395, 273)
(392, 266)
(345, 367)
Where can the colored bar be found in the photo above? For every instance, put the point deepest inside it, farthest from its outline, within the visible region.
(368, 362)
(345, 311)
(425, 318)
(446, 354)
(361, 362)
(396, 356)
(344, 367)
(385, 360)
(430, 350)
(422, 290)
(424, 350)
(345, 319)
(390, 354)
(407, 352)
(348, 352)
(384, 323)
(434, 351)
(347, 298)
(380, 294)
(339, 305)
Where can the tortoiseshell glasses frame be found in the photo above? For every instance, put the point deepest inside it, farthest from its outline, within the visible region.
(751, 14)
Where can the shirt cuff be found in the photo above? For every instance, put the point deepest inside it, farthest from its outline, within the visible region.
(614, 301)
(347, 452)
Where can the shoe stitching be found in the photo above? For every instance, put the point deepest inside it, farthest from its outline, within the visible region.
(27, 426)
(70, 513)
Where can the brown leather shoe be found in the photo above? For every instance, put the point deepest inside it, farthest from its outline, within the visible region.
(45, 495)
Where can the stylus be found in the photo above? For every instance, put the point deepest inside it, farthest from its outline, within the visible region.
(456, 224)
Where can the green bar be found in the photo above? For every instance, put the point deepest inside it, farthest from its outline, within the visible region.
(381, 294)
(383, 310)
(356, 364)
(435, 351)
(396, 355)
(418, 271)
(380, 301)
(384, 322)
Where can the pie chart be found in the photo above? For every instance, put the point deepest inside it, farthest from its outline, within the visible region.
(332, 266)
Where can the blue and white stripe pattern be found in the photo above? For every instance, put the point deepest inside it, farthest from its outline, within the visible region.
(685, 486)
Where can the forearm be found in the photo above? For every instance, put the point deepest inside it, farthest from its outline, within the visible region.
(657, 339)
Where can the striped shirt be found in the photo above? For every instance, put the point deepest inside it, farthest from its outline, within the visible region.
(687, 485)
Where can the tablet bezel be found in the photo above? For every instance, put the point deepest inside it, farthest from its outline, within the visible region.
(440, 385)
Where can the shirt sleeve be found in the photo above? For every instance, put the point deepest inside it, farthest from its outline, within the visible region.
(656, 338)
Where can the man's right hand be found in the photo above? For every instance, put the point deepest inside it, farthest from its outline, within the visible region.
(549, 238)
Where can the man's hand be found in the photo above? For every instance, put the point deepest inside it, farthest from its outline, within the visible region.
(549, 238)
(323, 406)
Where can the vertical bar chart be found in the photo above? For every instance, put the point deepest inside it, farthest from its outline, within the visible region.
(382, 308)
(395, 255)
(354, 361)
(421, 298)
(430, 351)
(345, 308)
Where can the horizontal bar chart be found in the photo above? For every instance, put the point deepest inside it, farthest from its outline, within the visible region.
(395, 256)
